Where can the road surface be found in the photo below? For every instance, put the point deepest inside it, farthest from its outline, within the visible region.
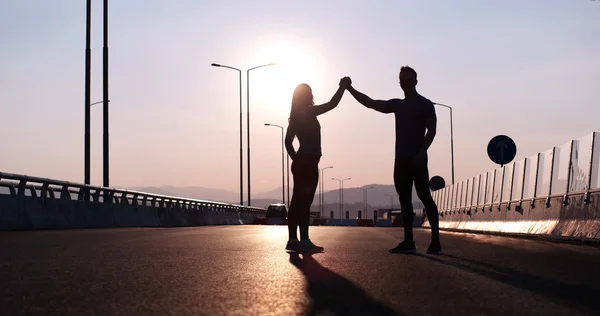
(244, 270)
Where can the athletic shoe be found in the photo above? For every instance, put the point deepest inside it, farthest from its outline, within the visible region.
(405, 247)
(308, 246)
(435, 248)
(292, 244)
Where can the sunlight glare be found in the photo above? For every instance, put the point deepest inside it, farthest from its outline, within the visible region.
(294, 65)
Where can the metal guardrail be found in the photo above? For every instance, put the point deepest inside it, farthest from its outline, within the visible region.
(50, 189)
(562, 171)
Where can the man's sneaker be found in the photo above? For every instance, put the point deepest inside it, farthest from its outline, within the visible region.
(292, 244)
(435, 248)
(404, 247)
(308, 246)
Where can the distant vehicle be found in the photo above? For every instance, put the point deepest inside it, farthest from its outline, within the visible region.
(277, 210)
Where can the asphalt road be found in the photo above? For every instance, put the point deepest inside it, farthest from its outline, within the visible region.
(244, 270)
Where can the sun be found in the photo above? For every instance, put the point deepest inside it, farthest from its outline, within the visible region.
(294, 64)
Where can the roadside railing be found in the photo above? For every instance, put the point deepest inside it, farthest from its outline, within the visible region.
(50, 189)
(562, 171)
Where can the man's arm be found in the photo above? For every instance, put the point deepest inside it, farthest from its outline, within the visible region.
(326, 107)
(431, 125)
(290, 134)
(377, 105)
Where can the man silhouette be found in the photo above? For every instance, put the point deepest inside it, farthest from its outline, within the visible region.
(414, 115)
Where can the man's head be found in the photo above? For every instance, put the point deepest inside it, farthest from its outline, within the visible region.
(408, 79)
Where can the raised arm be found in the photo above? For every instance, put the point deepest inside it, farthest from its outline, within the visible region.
(290, 134)
(377, 105)
(326, 107)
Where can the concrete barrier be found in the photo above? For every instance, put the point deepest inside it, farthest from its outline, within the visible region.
(28, 212)
(384, 223)
(575, 218)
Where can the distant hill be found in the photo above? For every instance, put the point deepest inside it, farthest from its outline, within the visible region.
(376, 196)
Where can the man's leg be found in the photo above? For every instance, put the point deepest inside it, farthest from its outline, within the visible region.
(403, 182)
(422, 188)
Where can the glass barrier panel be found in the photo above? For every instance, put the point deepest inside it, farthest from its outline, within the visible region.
(560, 172)
(544, 173)
(517, 187)
(530, 172)
(596, 163)
(497, 185)
(580, 166)
(482, 185)
(463, 193)
(489, 187)
(475, 191)
(507, 182)
(469, 192)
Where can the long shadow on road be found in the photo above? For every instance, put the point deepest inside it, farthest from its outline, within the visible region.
(580, 296)
(331, 292)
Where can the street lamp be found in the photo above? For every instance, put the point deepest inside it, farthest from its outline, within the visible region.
(87, 142)
(248, 119)
(365, 192)
(451, 138)
(322, 198)
(391, 199)
(341, 193)
(241, 155)
(282, 166)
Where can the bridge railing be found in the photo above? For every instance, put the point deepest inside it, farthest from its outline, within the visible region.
(568, 169)
(43, 188)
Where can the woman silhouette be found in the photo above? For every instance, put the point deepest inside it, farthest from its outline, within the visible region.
(303, 124)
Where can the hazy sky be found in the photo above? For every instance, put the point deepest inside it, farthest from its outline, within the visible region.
(527, 69)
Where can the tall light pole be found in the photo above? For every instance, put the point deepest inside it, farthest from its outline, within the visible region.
(451, 138)
(391, 199)
(241, 154)
(322, 189)
(282, 164)
(248, 120)
(105, 94)
(87, 141)
(341, 193)
(365, 198)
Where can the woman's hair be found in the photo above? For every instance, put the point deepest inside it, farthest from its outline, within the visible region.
(302, 98)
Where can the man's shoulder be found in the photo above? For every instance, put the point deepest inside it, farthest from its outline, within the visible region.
(425, 100)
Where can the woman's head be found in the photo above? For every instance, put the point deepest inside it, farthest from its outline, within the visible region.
(302, 98)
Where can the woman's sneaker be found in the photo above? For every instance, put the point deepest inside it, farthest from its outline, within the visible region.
(308, 246)
(405, 247)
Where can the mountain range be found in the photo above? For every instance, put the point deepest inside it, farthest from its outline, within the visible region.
(376, 195)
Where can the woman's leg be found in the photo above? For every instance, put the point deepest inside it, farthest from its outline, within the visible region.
(294, 203)
(311, 173)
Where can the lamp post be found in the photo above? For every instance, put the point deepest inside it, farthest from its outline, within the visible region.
(322, 189)
(282, 164)
(365, 192)
(451, 138)
(391, 199)
(87, 140)
(241, 154)
(105, 95)
(248, 120)
(341, 194)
